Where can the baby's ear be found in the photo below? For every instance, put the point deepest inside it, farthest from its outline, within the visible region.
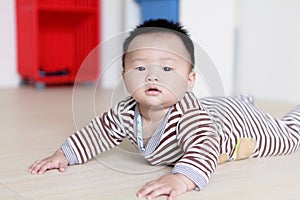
(191, 80)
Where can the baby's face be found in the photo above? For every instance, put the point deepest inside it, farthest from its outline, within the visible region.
(157, 69)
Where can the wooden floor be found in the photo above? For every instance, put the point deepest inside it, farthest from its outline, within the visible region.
(33, 124)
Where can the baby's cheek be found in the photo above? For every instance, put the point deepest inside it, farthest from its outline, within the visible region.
(133, 81)
(175, 84)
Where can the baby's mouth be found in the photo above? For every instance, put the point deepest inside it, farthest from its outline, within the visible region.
(153, 91)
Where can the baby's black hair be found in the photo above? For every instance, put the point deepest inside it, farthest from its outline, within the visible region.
(161, 25)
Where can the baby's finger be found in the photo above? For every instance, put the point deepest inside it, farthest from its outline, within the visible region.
(62, 167)
(172, 195)
(147, 189)
(33, 164)
(32, 168)
(38, 167)
(46, 166)
(158, 192)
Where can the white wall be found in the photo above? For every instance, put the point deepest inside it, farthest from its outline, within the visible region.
(211, 24)
(8, 65)
(269, 49)
(118, 17)
(112, 26)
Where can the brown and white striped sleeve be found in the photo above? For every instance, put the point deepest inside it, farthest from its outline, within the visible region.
(198, 138)
(102, 134)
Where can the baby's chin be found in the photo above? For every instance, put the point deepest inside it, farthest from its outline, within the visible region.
(159, 106)
(164, 100)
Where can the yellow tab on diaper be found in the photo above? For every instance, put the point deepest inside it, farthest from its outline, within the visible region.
(234, 156)
(244, 148)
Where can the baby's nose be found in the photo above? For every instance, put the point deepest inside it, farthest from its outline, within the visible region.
(152, 78)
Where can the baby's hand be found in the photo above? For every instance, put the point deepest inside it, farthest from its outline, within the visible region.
(171, 185)
(57, 161)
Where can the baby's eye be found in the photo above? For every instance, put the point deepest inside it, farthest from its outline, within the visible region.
(167, 69)
(141, 68)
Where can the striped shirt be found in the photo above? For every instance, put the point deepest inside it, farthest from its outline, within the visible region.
(192, 136)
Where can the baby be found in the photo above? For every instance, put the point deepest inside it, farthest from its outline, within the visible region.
(168, 124)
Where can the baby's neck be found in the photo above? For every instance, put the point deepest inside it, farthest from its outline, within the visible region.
(153, 115)
(150, 120)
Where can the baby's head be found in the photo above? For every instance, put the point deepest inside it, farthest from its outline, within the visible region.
(161, 26)
(158, 63)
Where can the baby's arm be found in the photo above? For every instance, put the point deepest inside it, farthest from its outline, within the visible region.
(57, 161)
(198, 139)
(171, 185)
(106, 131)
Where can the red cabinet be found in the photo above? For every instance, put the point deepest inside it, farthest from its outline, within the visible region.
(53, 39)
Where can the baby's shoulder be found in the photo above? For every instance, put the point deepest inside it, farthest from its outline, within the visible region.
(188, 102)
(125, 105)
(222, 100)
